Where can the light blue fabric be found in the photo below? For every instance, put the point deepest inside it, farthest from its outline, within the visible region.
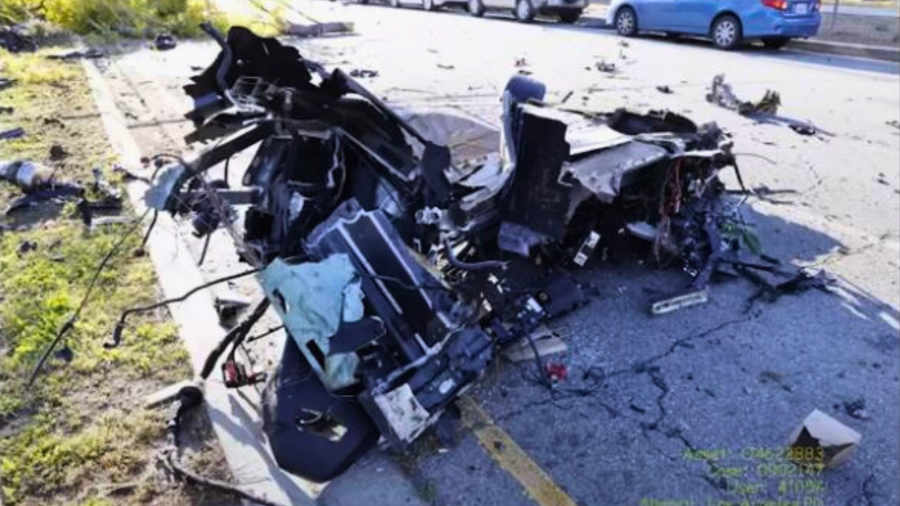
(312, 300)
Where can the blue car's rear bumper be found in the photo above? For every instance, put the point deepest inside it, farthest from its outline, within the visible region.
(775, 24)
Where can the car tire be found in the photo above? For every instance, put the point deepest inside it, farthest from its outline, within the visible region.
(428, 5)
(626, 22)
(395, 4)
(569, 17)
(524, 11)
(726, 32)
(775, 42)
(476, 8)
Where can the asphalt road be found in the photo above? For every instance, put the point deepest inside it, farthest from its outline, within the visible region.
(726, 376)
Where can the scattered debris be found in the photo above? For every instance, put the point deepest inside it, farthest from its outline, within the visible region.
(722, 95)
(14, 40)
(686, 300)
(130, 175)
(822, 440)
(521, 62)
(164, 42)
(664, 89)
(25, 247)
(544, 342)
(445, 67)
(894, 123)
(6, 82)
(857, 409)
(6, 110)
(13, 133)
(363, 73)
(557, 372)
(567, 97)
(38, 184)
(229, 306)
(57, 152)
(604, 66)
(87, 54)
(764, 111)
(318, 29)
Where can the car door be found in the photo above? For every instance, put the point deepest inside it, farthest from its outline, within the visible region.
(499, 4)
(656, 14)
(696, 16)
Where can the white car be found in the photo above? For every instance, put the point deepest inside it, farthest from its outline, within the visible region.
(567, 11)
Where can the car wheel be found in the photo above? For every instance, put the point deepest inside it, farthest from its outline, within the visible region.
(524, 11)
(395, 4)
(476, 8)
(775, 42)
(569, 17)
(428, 5)
(726, 32)
(626, 22)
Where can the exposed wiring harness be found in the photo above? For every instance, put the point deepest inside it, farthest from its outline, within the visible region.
(70, 323)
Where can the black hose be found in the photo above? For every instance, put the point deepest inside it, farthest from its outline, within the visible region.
(471, 266)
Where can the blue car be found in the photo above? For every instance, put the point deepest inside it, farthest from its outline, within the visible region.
(727, 22)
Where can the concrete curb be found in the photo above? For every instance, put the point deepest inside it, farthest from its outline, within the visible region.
(882, 53)
(234, 416)
(889, 54)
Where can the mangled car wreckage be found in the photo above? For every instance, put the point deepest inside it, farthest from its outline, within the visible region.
(403, 250)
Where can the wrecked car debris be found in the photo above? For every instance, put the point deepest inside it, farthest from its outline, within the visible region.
(12, 133)
(39, 184)
(14, 39)
(765, 110)
(426, 259)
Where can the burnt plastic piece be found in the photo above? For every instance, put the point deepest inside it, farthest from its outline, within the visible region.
(312, 433)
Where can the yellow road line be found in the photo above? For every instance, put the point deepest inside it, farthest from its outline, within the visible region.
(540, 487)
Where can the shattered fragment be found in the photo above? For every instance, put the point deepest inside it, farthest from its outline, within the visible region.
(822, 440)
(722, 95)
(164, 42)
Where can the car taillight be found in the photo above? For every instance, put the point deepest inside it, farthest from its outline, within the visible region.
(776, 4)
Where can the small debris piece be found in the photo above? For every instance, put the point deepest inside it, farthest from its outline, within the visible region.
(894, 123)
(604, 66)
(567, 97)
(229, 307)
(77, 55)
(130, 175)
(14, 40)
(545, 342)
(722, 95)
(164, 42)
(13, 133)
(557, 372)
(57, 152)
(25, 247)
(857, 409)
(6, 110)
(521, 62)
(363, 73)
(685, 300)
(318, 29)
(624, 43)
(6, 82)
(803, 129)
(445, 67)
(821, 439)
(664, 89)
(169, 393)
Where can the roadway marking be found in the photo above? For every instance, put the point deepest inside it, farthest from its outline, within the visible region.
(497, 443)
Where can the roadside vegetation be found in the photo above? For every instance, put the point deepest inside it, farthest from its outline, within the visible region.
(110, 19)
(79, 435)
